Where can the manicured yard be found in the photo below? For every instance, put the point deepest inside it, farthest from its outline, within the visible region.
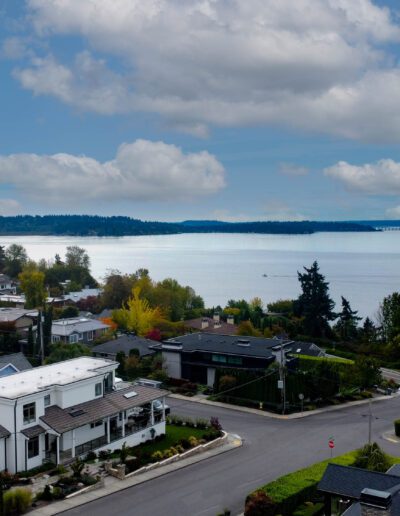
(174, 434)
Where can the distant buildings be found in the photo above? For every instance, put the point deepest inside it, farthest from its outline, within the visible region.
(124, 344)
(212, 325)
(77, 329)
(7, 286)
(14, 363)
(64, 410)
(16, 321)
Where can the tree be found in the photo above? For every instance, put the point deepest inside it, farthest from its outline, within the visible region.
(371, 457)
(15, 259)
(367, 372)
(137, 315)
(63, 351)
(259, 504)
(117, 290)
(77, 257)
(32, 285)
(247, 328)
(347, 323)
(314, 303)
(132, 367)
(368, 331)
(389, 316)
(281, 306)
(120, 358)
(69, 312)
(2, 259)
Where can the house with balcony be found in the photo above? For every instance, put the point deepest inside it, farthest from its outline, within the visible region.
(64, 410)
(77, 329)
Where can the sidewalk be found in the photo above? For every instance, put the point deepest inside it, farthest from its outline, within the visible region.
(113, 485)
(297, 415)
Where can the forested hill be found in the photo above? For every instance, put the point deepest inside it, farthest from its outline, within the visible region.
(84, 225)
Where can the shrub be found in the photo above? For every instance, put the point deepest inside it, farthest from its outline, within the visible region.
(91, 456)
(124, 453)
(157, 456)
(184, 443)
(214, 422)
(17, 501)
(104, 454)
(397, 427)
(88, 480)
(193, 441)
(201, 423)
(60, 470)
(46, 494)
(77, 467)
(57, 493)
(371, 457)
(259, 504)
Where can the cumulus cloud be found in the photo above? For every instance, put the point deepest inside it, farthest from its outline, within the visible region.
(141, 171)
(380, 178)
(309, 64)
(291, 169)
(10, 207)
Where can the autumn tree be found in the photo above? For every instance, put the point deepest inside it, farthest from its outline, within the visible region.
(32, 285)
(137, 315)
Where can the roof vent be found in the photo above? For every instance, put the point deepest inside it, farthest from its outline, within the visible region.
(130, 394)
(76, 413)
(244, 343)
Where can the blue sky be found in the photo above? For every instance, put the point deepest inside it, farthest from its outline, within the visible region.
(203, 109)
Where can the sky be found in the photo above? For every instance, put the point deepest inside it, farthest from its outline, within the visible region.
(201, 109)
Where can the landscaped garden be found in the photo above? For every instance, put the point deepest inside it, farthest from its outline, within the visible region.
(296, 493)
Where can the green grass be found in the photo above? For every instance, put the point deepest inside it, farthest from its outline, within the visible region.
(173, 434)
(337, 360)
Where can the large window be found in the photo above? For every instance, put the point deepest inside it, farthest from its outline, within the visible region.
(218, 358)
(47, 400)
(29, 411)
(73, 339)
(33, 447)
(90, 335)
(235, 360)
(98, 389)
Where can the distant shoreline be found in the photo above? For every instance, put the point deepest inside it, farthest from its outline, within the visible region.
(87, 225)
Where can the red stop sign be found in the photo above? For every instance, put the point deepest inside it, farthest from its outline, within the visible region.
(331, 444)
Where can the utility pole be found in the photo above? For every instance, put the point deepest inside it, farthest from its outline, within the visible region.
(41, 337)
(282, 382)
(369, 422)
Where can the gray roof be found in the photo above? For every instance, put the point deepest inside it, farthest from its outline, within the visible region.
(349, 482)
(83, 294)
(221, 327)
(62, 420)
(18, 360)
(9, 314)
(33, 431)
(304, 348)
(4, 432)
(125, 343)
(394, 470)
(65, 327)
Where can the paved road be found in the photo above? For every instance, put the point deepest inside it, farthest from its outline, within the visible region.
(271, 448)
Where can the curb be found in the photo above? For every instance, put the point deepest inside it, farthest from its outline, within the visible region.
(271, 415)
(392, 438)
(234, 441)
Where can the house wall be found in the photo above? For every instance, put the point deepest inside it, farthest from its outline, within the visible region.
(23, 323)
(172, 363)
(83, 435)
(210, 376)
(135, 439)
(2, 454)
(69, 395)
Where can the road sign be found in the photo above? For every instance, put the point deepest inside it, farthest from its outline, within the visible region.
(331, 443)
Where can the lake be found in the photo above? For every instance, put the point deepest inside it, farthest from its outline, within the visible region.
(363, 267)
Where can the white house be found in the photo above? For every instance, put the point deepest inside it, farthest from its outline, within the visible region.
(7, 286)
(77, 329)
(63, 410)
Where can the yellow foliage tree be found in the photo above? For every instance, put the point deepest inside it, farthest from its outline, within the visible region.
(137, 315)
(32, 285)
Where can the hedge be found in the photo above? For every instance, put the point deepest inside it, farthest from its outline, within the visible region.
(397, 427)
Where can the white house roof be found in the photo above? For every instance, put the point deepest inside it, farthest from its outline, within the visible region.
(65, 327)
(83, 294)
(61, 373)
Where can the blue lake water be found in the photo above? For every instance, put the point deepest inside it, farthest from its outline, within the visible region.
(363, 267)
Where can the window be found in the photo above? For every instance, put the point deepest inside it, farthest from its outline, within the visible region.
(96, 423)
(33, 447)
(47, 400)
(90, 335)
(218, 358)
(81, 336)
(73, 339)
(98, 389)
(235, 360)
(55, 338)
(29, 411)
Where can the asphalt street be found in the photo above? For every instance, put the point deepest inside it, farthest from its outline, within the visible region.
(271, 448)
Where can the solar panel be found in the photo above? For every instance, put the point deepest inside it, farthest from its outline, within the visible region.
(130, 394)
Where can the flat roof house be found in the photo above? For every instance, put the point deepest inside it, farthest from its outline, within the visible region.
(196, 356)
(77, 329)
(64, 410)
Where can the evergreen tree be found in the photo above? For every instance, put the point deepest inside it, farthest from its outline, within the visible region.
(2, 259)
(389, 316)
(368, 331)
(347, 324)
(314, 304)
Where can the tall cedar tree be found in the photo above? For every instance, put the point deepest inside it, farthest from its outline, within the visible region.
(314, 303)
(347, 323)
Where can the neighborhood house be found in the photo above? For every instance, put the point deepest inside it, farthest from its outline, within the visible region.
(64, 410)
(77, 330)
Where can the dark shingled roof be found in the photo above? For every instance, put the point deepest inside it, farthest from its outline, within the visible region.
(125, 343)
(4, 432)
(355, 509)
(349, 482)
(62, 420)
(394, 470)
(18, 360)
(33, 431)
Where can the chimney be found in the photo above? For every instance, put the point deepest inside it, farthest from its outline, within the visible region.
(230, 319)
(375, 503)
(204, 324)
(216, 318)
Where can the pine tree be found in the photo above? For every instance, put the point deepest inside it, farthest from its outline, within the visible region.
(347, 324)
(314, 304)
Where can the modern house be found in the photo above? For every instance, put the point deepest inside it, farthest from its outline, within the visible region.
(196, 356)
(64, 410)
(77, 329)
(358, 492)
(14, 363)
(7, 286)
(124, 344)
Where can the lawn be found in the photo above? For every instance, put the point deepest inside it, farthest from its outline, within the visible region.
(173, 434)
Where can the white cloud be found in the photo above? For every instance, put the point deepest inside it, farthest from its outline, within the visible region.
(10, 207)
(141, 171)
(13, 48)
(291, 169)
(380, 178)
(310, 64)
